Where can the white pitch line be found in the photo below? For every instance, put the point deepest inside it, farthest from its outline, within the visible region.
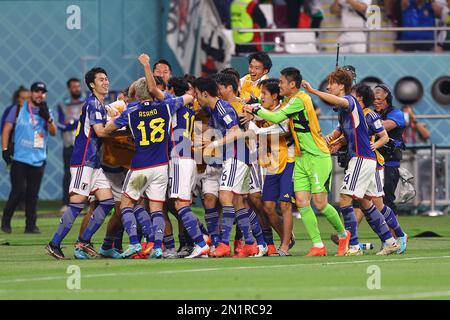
(417, 295)
(101, 275)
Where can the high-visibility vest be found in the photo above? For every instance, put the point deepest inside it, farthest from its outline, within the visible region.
(240, 18)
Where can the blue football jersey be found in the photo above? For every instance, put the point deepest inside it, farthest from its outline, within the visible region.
(150, 124)
(181, 135)
(222, 118)
(86, 149)
(353, 124)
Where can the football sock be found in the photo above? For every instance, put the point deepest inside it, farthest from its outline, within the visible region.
(227, 223)
(243, 222)
(66, 222)
(158, 228)
(334, 219)
(144, 221)
(237, 233)
(351, 224)
(182, 239)
(169, 242)
(108, 242)
(118, 238)
(191, 224)
(97, 219)
(202, 227)
(377, 223)
(256, 228)
(310, 221)
(268, 236)
(129, 224)
(392, 221)
(212, 223)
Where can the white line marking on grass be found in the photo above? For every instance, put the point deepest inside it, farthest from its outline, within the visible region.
(128, 274)
(417, 295)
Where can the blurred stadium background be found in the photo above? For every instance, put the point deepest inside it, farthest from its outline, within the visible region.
(40, 42)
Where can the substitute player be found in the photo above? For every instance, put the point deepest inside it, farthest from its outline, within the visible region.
(86, 172)
(312, 173)
(359, 177)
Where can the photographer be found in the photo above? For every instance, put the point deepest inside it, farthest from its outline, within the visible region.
(27, 156)
(394, 123)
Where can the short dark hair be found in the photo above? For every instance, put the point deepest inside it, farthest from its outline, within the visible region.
(72, 80)
(189, 78)
(90, 76)
(162, 61)
(179, 85)
(272, 85)
(231, 71)
(160, 82)
(261, 57)
(365, 92)
(226, 80)
(206, 84)
(293, 74)
(341, 76)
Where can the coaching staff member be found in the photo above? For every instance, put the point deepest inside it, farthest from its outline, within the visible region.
(32, 123)
(394, 123)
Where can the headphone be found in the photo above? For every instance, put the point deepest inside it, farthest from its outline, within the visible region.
(387, 90)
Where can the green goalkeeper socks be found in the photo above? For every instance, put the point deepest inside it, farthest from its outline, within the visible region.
(333, 217)
(310, 221)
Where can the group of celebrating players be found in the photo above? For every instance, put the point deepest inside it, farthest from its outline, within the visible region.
(243, 145)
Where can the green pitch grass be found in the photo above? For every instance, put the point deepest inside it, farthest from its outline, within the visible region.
(422, 273)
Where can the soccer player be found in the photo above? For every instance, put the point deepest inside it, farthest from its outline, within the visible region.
(359, 177)
(149, 122)
(259, 65)
(234, 178)
(312, 172)
(228, 90)
(87, 175)
(365, 97)
(279, 164)
(117, 153)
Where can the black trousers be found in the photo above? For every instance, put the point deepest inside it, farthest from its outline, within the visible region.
(391, 178)
(293, 7)
(67, 154)
(25, 183)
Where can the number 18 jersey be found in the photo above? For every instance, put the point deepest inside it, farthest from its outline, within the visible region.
(150, 123)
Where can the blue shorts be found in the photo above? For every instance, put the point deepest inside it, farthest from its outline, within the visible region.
(279, 187)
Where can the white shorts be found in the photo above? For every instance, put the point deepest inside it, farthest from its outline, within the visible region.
(235, 176)
(359, 178)
(376, 187)
(182, 178)
(87, 180)
(116, 180)
(255, 183)
(150, 183)
(359, 45)
(207, 182)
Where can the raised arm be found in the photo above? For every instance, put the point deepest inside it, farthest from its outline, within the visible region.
(330, 98)
(151, 83)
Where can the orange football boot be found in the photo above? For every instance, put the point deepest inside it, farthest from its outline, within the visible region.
(271, 249)
(237, 246)
(317, 252)
(248, 250)
(222, 250)
(343, 244)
